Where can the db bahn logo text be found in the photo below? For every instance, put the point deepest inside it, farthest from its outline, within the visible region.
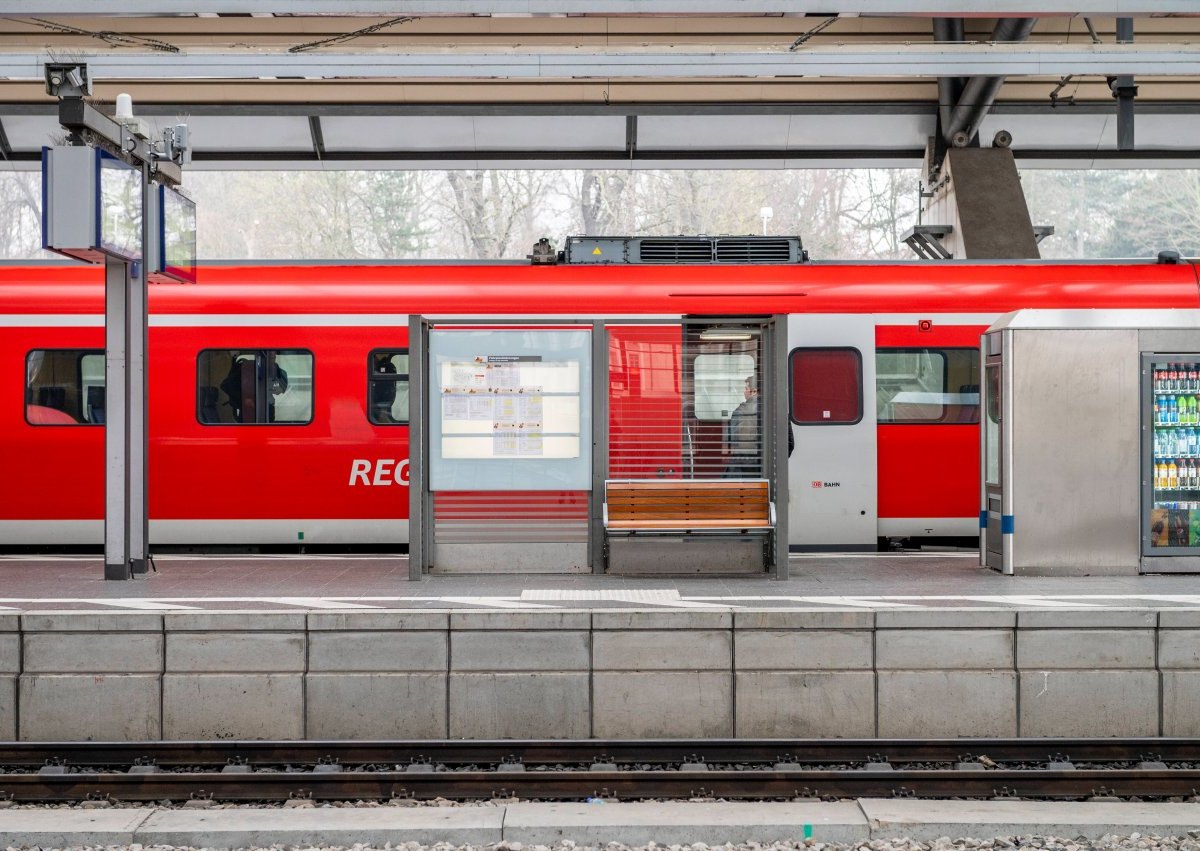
(385, 471)
(817, 483)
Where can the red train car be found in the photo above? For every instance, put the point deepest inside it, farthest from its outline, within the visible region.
(237, 460)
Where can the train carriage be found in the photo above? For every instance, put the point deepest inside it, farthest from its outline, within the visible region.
(278, 393)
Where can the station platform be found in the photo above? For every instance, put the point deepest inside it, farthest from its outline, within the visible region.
(315, 583)
(891, 646)
(829, 824)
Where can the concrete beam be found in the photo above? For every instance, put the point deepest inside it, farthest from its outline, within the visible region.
(907, 61)
(610, 7)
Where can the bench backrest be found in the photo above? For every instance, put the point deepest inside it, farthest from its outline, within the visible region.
(685, 502)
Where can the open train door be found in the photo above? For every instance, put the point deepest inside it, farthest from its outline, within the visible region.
(832, 474)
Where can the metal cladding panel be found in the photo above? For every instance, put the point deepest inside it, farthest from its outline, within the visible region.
(471, 133)
(832, 487)
(468, 289)
(1075, 438)
(289, 133)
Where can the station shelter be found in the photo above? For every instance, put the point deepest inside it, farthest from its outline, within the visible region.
(640, 445)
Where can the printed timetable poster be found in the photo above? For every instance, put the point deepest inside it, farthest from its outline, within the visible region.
(511, 409)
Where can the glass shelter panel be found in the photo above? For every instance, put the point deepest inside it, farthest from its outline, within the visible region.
(510, 409)
(1174, 475)
(645, 402)
(723, 418)
(992, 425)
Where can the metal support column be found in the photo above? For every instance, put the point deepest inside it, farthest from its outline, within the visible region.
(1124, 91)
(599, 446)
(420, 531)
(116, 427)
(778, 409)
(126, 508)
(137, 388)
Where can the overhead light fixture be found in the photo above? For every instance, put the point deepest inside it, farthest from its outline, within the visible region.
(726, 335)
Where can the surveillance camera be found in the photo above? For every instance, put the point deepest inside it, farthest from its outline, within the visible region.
(67, 79)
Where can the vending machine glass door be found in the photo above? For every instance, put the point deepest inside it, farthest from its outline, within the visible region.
(1171, 454)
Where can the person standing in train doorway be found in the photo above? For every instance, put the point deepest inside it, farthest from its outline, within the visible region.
(745, 436)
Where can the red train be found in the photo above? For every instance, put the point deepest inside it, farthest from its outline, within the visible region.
(244, 455)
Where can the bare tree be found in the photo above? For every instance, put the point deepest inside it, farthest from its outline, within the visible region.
(493, 212)
(20, 215)
(600, 195)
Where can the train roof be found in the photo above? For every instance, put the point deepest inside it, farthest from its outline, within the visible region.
(481, 290)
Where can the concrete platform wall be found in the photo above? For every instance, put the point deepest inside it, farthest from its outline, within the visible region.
(604, 673)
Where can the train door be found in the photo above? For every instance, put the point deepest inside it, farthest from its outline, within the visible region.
(833, 491)
(927, 408)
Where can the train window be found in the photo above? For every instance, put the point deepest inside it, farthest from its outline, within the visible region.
(254, 386)
(826, 386)
(720, 382)
(64, 387)
(927, 386)
(387, 386)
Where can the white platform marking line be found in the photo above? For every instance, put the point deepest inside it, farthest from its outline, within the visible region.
(140, 605)
(1033, 600)
(862, 602)
(632, 595)
(644, 597)
(315, 603)
(493, 602)
(832, 600)
(1187, 599)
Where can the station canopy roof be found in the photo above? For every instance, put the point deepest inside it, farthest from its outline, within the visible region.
(608, 83)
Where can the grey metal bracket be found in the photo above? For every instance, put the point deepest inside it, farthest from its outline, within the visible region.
(925, 241)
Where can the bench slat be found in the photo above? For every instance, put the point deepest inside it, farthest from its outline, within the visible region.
(683, 504)
(700, 496)
(690, 484)
(689, 524)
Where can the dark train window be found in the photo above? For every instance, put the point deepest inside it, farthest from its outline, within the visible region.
(64, 387)
(254, 386)
(927, 386)
(826, 386)
(387, 386)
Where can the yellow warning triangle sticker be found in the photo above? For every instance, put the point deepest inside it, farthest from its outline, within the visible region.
(596, 250)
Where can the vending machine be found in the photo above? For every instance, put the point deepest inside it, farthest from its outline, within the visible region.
(1090, 442)
(1170, 383)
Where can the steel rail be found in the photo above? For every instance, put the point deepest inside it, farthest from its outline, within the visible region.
(575, 785)
(655, 752)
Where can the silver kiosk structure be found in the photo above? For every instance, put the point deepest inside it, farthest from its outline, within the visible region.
(1068, 444)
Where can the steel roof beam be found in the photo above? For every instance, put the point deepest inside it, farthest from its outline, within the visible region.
(906, 61)
(979, 93)
(946, 8)
(585, 110)
(318, 137)
(571, 159)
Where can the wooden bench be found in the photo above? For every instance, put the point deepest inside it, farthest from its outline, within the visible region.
(728, 523)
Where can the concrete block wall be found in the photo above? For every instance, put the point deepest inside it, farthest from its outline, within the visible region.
(604, 673)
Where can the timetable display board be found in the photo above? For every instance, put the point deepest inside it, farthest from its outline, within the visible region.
(91, 204)
(510, 409)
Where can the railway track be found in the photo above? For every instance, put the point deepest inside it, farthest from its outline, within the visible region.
(625, 769)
